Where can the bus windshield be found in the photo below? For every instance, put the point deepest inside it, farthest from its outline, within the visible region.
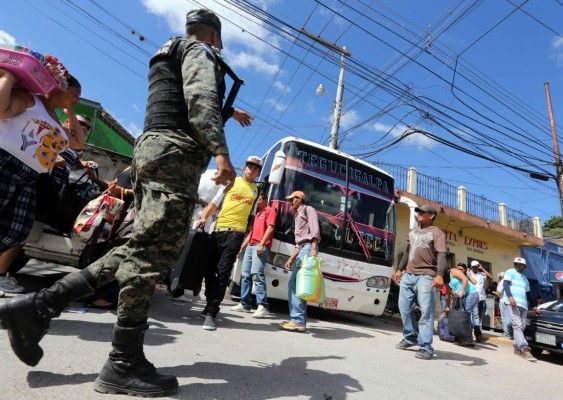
(358, 223)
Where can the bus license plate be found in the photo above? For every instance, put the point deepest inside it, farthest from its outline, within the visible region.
(545, 338)
(330, 304)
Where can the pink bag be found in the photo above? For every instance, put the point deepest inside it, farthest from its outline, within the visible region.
(103, 209)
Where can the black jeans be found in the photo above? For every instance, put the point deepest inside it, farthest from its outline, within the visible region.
(216, 279)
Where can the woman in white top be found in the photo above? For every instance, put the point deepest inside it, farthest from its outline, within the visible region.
(31, 137)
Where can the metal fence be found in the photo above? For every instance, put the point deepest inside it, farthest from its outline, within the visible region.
(437, 190)
(482, 207)
(520, 221)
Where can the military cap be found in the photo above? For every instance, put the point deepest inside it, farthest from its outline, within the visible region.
(205, 17)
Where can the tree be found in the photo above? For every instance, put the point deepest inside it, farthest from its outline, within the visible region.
(553, 228)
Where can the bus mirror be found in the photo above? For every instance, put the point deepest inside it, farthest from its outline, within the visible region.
(278, 167)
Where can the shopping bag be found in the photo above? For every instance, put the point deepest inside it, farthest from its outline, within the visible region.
(197, 258)
(459, 320)
(309, 280)
(102, 212)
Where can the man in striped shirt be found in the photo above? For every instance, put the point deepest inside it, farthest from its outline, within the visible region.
(516, 292)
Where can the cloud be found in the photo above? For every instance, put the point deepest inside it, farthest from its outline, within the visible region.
(347, 119)
(238, 31)
(6, 38)
(278, 105)
(245, 60)
(557, 47)
(282, 87)
(136, 107)
(133, 129)
(397, 130)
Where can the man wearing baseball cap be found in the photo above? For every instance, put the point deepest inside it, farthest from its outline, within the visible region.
(421, 271)
(516, 292)
(307, 237)
(232, 223)
(480, 274)
(183, 129)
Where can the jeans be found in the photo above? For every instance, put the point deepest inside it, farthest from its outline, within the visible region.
(216, 279)
(482, 307)
(505, 316)
(518, 319)
(477, 316)
(443, 302)
(253, 270)
(418, 289)
(297, 307)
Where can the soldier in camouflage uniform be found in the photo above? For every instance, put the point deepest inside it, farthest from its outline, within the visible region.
(183, 130)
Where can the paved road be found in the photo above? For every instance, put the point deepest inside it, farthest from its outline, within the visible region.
(341, 357)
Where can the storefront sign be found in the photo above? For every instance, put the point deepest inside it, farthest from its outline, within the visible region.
(472, 244)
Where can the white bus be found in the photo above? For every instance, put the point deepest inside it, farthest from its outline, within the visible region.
(354, 201)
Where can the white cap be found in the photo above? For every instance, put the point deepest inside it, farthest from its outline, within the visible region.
(474, 263)
(254, 160)
(520, 260)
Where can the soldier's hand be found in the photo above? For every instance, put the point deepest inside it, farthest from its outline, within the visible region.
(242, 117)
(225, 171)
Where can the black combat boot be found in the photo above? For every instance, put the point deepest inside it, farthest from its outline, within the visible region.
(26, 317)
(128, 371)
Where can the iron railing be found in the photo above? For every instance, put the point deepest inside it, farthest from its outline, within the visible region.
(482, 207)
(435, 189)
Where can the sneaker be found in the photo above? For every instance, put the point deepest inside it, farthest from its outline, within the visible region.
(517, 351)
(240, 308)
(527, 355)
(209, 323)
(423, 355)
(464, 343)
(292, 327)
(182, 299)
(9, 285)
(260, 312)
(403, 345)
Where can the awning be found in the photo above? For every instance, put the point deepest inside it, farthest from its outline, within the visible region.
(106, 132)
(544, 264)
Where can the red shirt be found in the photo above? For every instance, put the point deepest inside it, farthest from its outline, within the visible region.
(264, 218)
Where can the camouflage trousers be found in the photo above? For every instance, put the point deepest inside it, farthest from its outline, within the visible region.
(165, 171)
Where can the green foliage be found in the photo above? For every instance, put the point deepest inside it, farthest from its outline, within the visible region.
(553, 227)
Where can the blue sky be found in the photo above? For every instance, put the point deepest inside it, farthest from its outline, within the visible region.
(471, 73)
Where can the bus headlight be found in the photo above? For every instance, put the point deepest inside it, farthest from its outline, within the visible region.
(378, 282)
(279, 260)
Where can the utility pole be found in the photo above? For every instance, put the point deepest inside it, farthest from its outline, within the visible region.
(558, 167)
(339, 90)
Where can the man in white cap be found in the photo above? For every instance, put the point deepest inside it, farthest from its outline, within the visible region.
(504, 314)
(516, 291)
(238, 200)
(480, 274)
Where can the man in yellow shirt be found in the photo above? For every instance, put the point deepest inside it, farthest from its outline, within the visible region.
(238, 200)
